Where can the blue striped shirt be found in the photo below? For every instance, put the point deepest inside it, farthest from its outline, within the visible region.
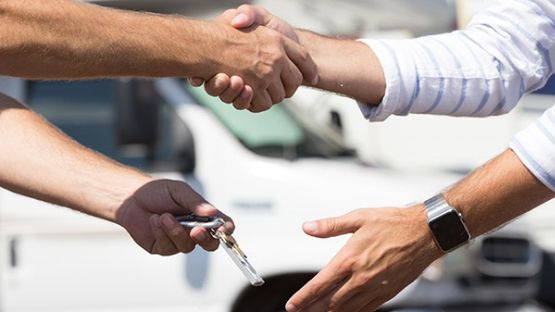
(507, 50)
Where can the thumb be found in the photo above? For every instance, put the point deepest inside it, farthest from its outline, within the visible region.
(189, 201)
(227, 16)
(330, 227)
(248, 15)
(242, 20)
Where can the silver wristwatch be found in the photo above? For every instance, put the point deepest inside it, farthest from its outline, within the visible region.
(446, 223)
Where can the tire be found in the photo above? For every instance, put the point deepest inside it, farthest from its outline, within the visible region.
(273, 296)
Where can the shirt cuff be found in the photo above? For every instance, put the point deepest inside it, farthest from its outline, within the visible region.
(391, 98)
(535, 146)
(397, 82)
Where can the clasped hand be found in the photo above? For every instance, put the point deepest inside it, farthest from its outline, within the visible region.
(280, 67)
(148, 216)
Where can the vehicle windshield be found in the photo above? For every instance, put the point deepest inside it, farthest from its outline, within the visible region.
(278, 132)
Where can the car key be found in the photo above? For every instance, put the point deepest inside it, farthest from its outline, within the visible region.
(229, 244)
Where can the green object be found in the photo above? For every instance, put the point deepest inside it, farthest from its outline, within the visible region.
(274, 127)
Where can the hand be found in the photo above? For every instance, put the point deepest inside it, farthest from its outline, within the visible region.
(388, 250)
(269, 63)
(148, 216)
(233, 89)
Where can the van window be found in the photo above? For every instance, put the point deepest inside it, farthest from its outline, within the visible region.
(85, 110)
(276, 132)
(273, 127)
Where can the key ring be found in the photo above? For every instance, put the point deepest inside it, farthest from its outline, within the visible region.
(191, 221)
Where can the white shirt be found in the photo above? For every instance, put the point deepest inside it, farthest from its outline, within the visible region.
(507, 50)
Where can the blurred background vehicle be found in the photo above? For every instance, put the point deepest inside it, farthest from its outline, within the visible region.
(313, 156)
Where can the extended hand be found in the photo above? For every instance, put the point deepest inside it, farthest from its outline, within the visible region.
(388, 250)
(148, 216)
(234, 89)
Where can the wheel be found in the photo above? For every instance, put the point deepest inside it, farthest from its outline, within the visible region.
(273, 296)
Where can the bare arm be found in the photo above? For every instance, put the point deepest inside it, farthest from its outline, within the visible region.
(346, 67)
(391, 247)
(38, 160)
(473, 72)
(66, 39)
(495, 194)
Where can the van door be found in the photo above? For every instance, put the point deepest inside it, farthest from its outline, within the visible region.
(55, 259)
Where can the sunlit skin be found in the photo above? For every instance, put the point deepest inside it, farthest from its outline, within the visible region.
(40, 161)
(389, 247)
(68, 39)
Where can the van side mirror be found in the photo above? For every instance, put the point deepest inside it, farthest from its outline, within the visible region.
(137, 114)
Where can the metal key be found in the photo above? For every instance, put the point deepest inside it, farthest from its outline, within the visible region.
(229, 244)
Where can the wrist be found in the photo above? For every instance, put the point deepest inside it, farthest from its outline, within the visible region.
(426, 243)
(219, 48)
(119, 191)
(200, 56)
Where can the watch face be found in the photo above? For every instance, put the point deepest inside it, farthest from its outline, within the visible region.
(449, 231)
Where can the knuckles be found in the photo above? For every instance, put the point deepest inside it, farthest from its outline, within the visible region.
(347, 265)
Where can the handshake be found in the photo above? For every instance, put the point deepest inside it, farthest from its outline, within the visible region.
(265, 64)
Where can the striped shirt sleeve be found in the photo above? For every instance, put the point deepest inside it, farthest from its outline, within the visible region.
(507, 50)
(535, 146)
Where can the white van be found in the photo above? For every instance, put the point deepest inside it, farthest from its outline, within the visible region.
(269, 171)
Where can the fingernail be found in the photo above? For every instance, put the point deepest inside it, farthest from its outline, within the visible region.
(310, 226)
(290, 307)
(168, 222)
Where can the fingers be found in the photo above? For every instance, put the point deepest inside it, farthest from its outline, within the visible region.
(236, 86)
(230, 90)
(292, 79)
(372, 306)
(362, 303)
(171, 237)
(178, 235)
(162, 244)
(245, 98)
(261, 102)
(330, 227)
(218, 84)
(349, 297)
(302, 59)
(276, 92)
(196, 82)
(321, 304)
(322, 284)
(204, 239)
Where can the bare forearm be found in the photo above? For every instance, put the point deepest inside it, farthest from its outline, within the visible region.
(496, 193)
(39, 161)
(64, 39)
(346, 66)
